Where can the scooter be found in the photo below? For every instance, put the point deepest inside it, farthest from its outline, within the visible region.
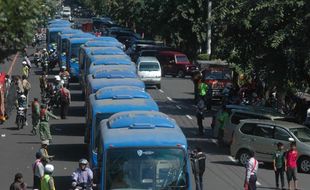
(82, 186)
(20, 118)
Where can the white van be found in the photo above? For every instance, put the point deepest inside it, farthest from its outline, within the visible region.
(149, 71)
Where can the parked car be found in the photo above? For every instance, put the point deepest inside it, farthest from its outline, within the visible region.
(175, 63)
(262, 136)
(149, 71)
(248, 112)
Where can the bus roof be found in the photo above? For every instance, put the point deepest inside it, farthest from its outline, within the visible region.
(106, 59)
(114, 73)
(58, 21)
(58, 29)
(120, 91)
(103, 50)
(81, 40)
(99, 43)
(96, 84)
(143, 129)
(94, 68)
(76, 35)
(105, 39)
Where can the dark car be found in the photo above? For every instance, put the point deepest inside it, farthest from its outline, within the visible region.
(175, 64)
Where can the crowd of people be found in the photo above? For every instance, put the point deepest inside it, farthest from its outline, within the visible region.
(54, 95)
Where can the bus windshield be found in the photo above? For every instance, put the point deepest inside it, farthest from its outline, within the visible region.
(146, 168)
(53, 37)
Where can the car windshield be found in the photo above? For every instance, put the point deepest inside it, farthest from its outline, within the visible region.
(75, 50)
(182, 58)
(218, 74)
(147, 168)
(303, 134)
(149, 66)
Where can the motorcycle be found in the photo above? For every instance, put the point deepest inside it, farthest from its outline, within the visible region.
(20, 118)
(82, 186)
(53, 61)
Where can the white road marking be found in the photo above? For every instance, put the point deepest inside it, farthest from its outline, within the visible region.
(258, 184)
(170, 99)
(232, 159)
(189, 117)
(161, 91)
(179, 107)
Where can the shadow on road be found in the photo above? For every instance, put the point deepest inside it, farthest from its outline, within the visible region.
(62, 182)
(77, 111)
(68, 129)
(68, 152)
(74, 86)
(76, 96)
(228, 163)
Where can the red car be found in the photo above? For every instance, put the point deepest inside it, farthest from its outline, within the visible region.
(175, 64)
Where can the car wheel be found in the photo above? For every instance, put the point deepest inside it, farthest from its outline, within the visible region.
(243, 157)
(180, 74)
(304, 165)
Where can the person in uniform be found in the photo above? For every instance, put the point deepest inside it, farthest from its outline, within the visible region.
(44, 127)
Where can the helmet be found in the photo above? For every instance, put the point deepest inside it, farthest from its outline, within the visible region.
(63, 67)
(57, 78)
(49, 168)
(83, 161)
(62, 82)
(24, 63)
(23, 96)
(45, 142)
(44, 49)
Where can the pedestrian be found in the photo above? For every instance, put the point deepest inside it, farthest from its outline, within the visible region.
(279, 164)
(43, 150)
(43, 84)
(26, 86)
(200, 116)
(291, 165)
(18, 183)
(202, 89)
(198, 159)
(196, 77)
(38, 171)
(35, 107)
(65, 99)
(251, 172)
(44, 127)
(47, 182)
(222, 119)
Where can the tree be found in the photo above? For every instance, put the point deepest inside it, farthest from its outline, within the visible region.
(18, 20)
(269, 37)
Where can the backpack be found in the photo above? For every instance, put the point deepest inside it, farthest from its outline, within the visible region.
(64, 95)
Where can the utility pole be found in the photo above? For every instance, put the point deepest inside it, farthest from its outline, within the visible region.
(209, 28)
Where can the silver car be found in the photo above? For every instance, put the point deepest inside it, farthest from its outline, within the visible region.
(262, 136)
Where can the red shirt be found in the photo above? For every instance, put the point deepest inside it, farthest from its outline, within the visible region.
(291, 158)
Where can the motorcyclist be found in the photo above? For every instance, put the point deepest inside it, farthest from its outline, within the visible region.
(25, 70)
(37, 57)
(45, 55)
(21, 102)
(83, 176)
(64, 75)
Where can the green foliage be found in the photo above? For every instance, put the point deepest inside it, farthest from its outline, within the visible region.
(18, 20)
(203, 56)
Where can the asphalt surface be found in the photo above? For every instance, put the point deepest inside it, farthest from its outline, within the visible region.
(175, 99)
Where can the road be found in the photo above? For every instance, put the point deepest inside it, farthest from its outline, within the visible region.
(175, 99)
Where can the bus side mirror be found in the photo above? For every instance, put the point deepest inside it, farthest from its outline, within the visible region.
(97, 172)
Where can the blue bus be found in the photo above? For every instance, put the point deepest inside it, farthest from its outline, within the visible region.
(72, 53)
(108, 78)
(62, 44)
(51, 36)
(86, 51)
(96, 42)
(141, 150)
(58, 21)
(111, 100)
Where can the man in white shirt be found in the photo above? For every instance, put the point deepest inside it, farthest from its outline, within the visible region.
(251, 173)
